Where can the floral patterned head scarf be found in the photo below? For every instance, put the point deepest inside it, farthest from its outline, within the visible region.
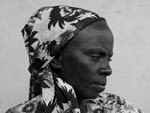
(46, 33)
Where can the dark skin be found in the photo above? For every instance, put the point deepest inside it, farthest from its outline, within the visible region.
(84, 63)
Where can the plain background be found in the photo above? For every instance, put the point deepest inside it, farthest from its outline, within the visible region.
(130, 23)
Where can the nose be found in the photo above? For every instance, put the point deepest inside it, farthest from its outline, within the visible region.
(106, 72)
(105, 69)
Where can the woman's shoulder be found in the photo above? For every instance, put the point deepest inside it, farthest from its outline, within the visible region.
(26, 107)
(115, 103)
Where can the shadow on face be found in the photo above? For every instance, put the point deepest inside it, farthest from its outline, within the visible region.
(85, 60)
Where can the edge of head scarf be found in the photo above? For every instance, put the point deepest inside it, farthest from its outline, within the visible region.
(46, 33)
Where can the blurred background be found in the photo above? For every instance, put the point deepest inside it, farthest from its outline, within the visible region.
(128, 19)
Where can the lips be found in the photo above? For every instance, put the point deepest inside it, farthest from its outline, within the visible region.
(98, 87)
(99, 82)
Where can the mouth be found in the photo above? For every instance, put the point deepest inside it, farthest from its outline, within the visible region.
(98, 87)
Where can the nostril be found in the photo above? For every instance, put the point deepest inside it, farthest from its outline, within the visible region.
(106, 72)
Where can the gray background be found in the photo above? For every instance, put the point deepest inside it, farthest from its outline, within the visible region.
(130, 23)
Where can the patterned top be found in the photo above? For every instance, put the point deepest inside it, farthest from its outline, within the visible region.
(104, 103)
(48, 30)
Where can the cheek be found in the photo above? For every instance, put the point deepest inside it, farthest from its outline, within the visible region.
(86, 66)
(77, 68)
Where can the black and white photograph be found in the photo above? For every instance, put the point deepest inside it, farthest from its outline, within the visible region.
(74, 56)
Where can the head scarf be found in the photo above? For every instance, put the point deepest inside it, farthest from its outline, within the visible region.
(45, 34)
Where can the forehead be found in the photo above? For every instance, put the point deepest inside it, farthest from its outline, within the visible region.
(96, 35)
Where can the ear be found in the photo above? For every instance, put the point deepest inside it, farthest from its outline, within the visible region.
(56, 62)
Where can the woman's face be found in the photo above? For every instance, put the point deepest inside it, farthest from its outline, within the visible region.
(85, 60)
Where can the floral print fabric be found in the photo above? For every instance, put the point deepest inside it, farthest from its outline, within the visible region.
(45, 35)
(104, 103)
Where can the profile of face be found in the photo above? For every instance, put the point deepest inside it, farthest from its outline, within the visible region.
(85, 60)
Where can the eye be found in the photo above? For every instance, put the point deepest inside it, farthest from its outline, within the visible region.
(95, 56)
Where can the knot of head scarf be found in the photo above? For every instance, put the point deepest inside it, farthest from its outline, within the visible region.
(46, 33)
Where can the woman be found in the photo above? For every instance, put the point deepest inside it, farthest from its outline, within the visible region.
(69, 51)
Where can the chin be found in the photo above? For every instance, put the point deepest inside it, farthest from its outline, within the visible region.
(88, 93)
